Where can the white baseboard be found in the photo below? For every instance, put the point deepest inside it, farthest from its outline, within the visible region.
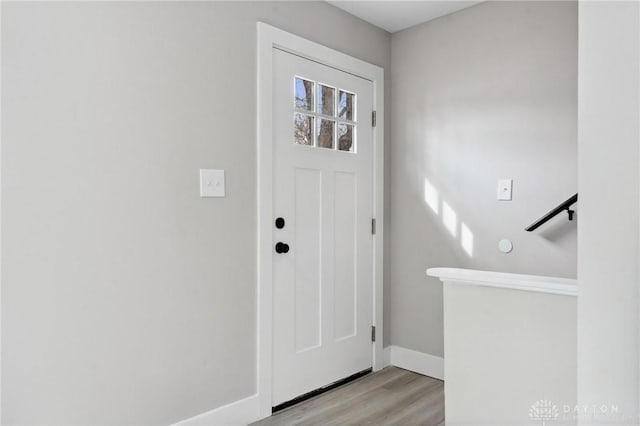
(428, 365)
(238, 413)
(247, 410)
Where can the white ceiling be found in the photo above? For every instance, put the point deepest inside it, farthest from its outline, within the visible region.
(397, 15)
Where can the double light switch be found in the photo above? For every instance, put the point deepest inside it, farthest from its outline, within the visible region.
(211, 183)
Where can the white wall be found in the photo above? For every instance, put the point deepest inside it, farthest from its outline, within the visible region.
(482, 94)
(505, 350)
(126, 298)
(609, 226)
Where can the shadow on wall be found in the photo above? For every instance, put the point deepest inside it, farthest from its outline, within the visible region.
(557, 230)
(449, 218)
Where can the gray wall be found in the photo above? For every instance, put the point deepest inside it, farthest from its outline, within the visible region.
(126, 298)
(486, 93)
(609, 227)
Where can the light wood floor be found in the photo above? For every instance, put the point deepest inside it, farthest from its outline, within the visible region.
(391, 396)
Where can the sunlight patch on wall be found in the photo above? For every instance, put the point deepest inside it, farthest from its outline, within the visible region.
(466, 239)
(449, 218)
(431, 196)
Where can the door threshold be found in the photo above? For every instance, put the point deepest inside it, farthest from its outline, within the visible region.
(319, 391)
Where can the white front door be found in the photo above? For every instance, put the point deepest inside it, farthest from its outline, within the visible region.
(322, 239)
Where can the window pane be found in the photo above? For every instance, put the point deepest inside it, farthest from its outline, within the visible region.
(325, 133)
(326, 100)
(345, 137)
(303, 129)
(303, 94)
(346, 107)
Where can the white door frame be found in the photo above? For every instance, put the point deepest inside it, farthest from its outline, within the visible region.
(268, 38)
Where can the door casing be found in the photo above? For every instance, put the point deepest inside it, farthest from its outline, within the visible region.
(268, 38)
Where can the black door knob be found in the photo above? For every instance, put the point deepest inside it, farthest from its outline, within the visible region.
(282, 247)
(280, 223)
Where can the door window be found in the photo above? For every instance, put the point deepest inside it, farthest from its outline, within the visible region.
(321, 119)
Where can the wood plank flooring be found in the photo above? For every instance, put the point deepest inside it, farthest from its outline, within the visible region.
(391, 396)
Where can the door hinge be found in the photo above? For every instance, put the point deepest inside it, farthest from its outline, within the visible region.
(373, 226)
(373, 118)
(373, 333)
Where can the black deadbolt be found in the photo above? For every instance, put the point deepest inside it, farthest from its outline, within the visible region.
(280, 223)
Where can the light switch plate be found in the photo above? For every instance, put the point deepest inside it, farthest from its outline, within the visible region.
(504, 189)
(211, 183)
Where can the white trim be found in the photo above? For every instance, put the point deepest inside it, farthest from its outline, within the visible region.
(419, 362)
(240, 412)
(268, 38)
(534, 283)
(0, 218)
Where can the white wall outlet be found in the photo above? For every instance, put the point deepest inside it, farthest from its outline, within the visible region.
(211, 183)
(504, 189)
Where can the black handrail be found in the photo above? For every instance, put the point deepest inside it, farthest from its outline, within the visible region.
(564, 206)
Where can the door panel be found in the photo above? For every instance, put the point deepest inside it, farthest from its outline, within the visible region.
(323, 187)
(345, 255)
(307, 246)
